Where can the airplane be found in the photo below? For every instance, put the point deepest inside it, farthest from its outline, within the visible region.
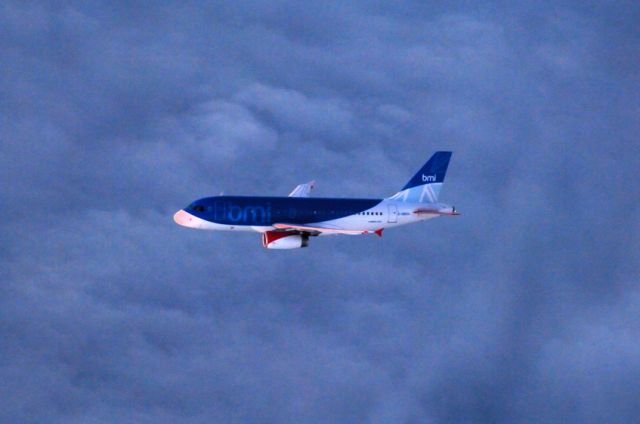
(289, 222)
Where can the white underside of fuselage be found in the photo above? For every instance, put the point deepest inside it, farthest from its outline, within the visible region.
(386, 214)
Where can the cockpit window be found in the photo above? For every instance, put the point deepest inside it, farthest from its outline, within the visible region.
(197, 208)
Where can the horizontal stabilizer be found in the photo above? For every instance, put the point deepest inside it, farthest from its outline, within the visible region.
(429, 211)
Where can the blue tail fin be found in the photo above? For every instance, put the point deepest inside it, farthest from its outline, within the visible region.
(432, 172)
(425, 185)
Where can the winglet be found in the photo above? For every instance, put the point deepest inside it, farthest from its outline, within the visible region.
(303, 190)
(379, 232)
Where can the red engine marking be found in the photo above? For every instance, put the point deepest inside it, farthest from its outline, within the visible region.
(271, 236)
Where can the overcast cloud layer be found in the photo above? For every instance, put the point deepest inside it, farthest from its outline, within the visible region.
(524, 309)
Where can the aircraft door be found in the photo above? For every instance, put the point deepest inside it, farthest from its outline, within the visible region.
(393, 213)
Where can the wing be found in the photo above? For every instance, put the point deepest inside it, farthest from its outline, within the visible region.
(303, 190)
(318, 229)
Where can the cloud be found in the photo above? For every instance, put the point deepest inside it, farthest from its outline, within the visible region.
(292, 111)
(116, 116)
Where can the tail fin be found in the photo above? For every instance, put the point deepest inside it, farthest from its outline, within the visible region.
(426, 184)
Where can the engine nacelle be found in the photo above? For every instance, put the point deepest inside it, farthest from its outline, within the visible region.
(283, 240)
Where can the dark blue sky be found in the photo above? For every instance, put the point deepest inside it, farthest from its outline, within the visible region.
(523, 309)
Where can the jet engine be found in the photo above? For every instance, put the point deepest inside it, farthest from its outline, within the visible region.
(284, 240)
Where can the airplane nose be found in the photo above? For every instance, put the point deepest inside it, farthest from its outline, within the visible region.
(182, 218)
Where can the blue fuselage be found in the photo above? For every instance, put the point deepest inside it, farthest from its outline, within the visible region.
(264, 211)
